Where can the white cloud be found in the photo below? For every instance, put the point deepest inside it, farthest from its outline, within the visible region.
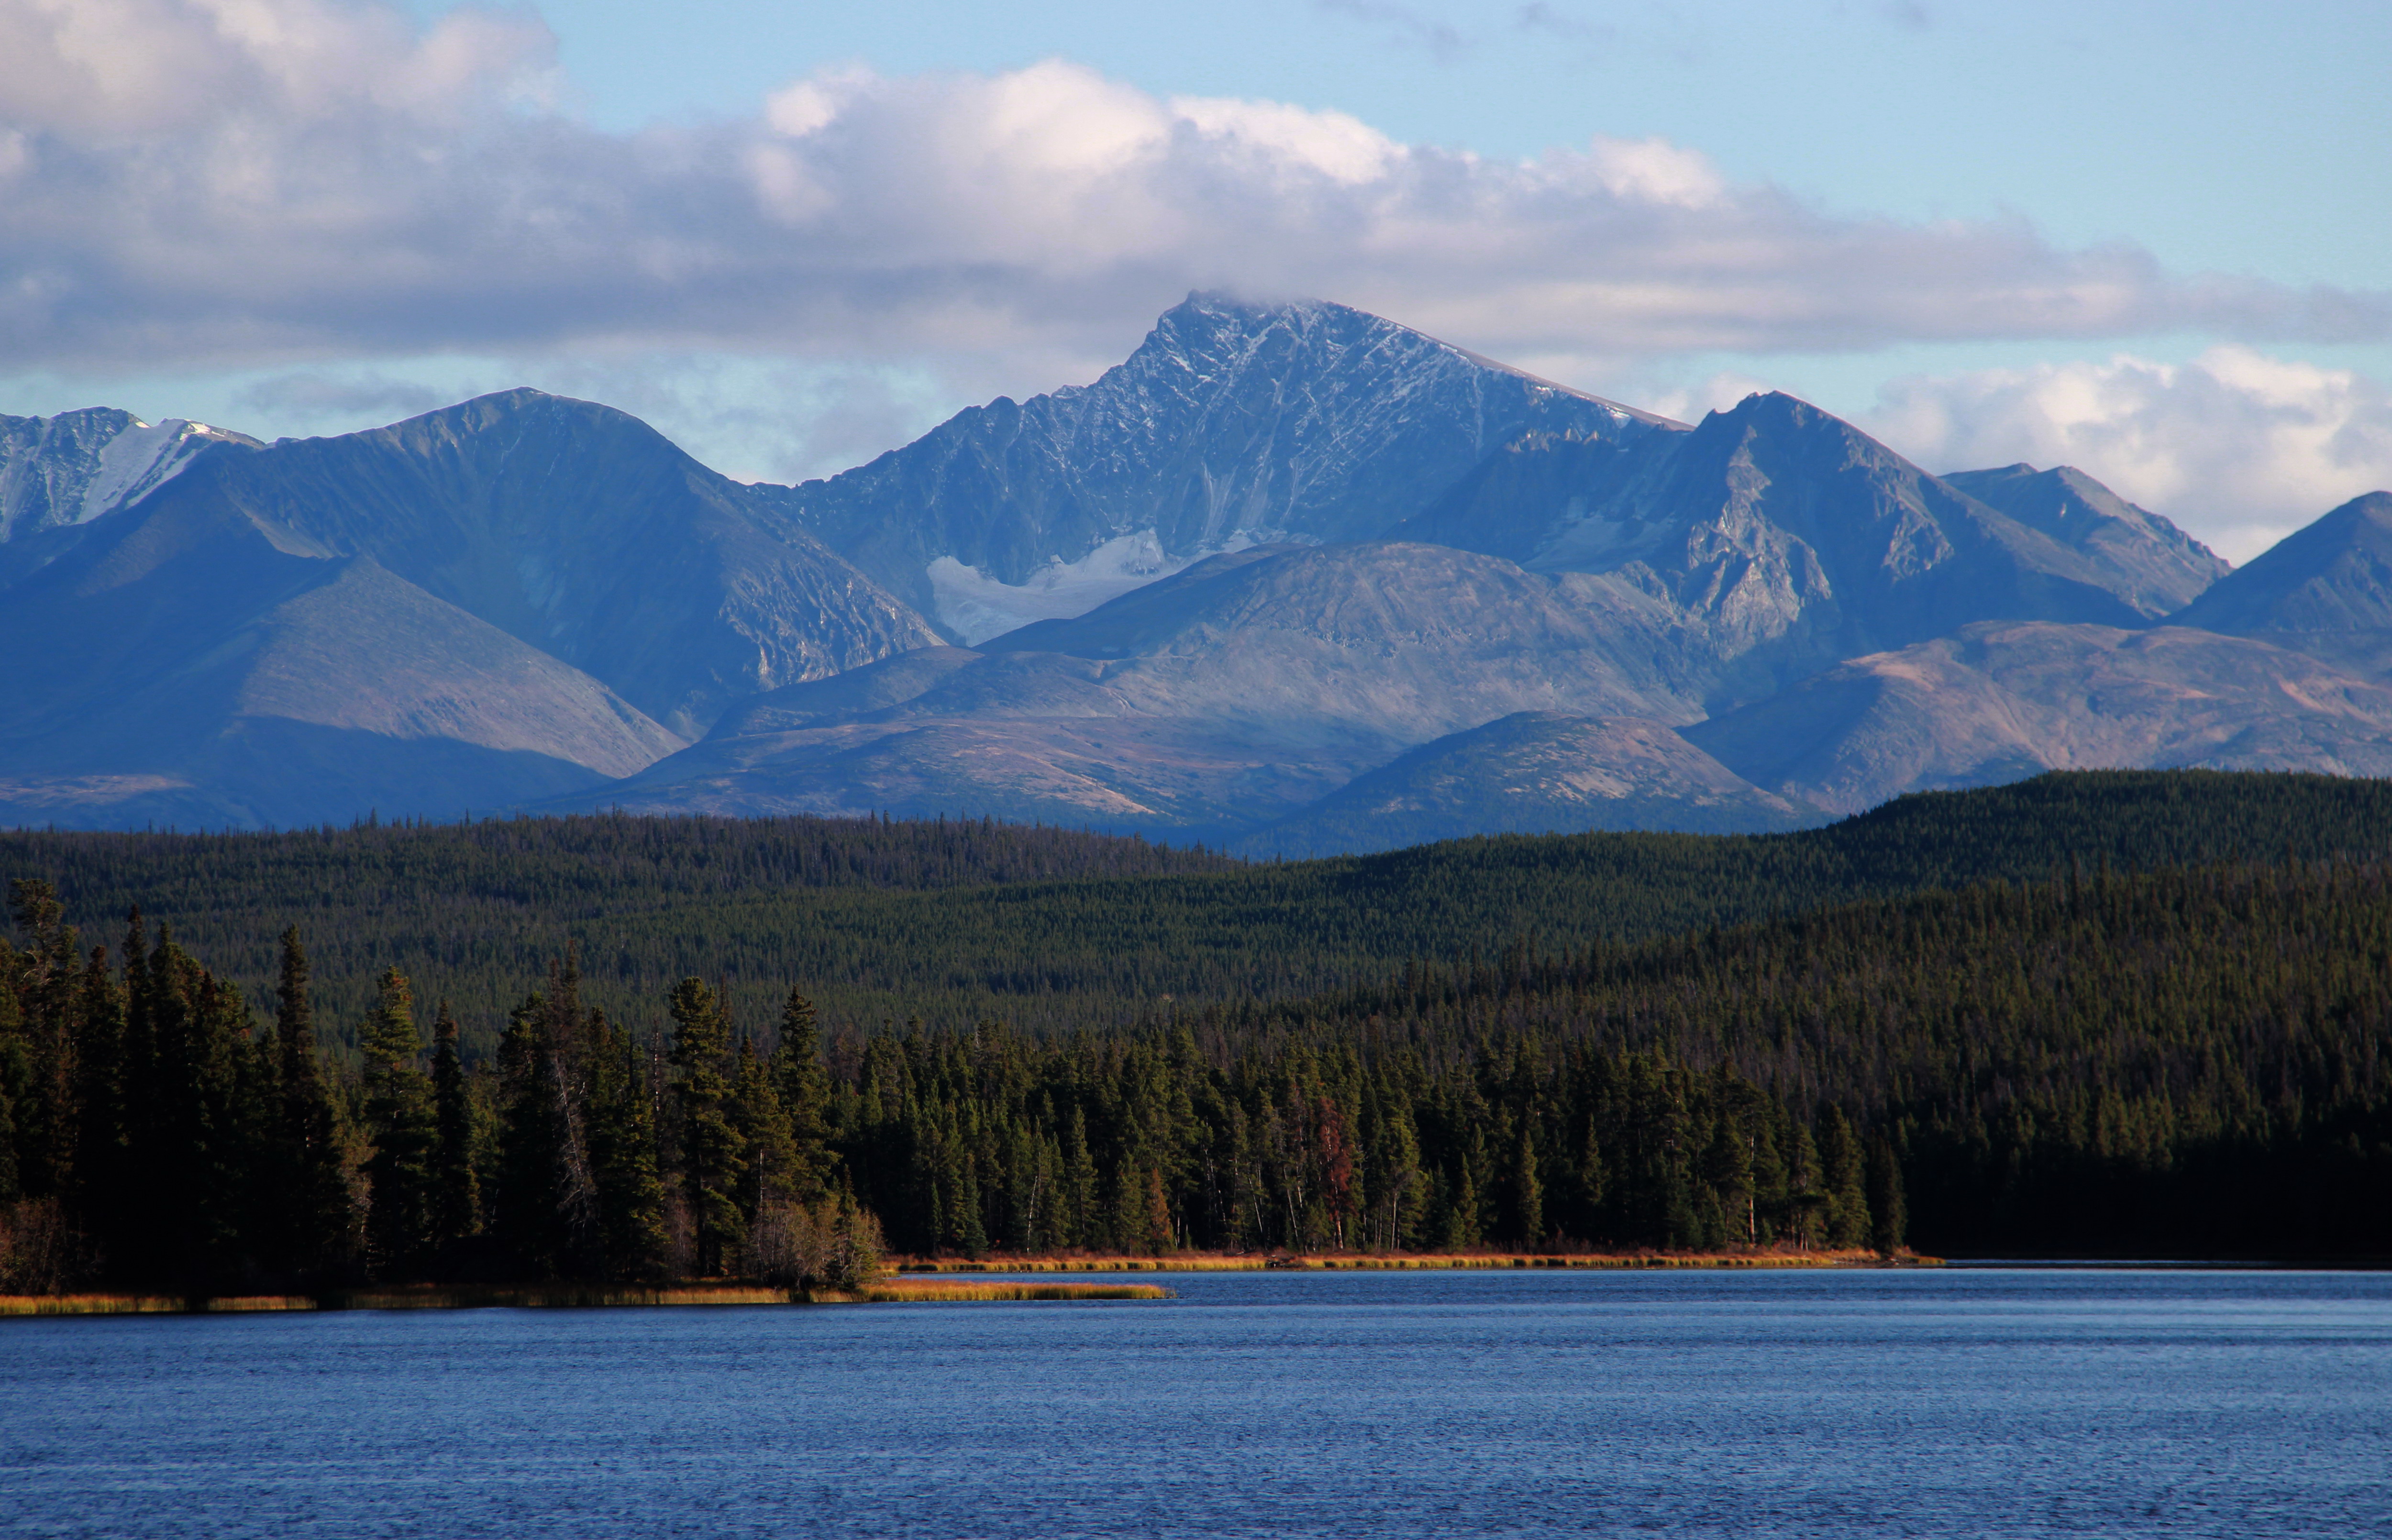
(242, 183)
(2239, 448)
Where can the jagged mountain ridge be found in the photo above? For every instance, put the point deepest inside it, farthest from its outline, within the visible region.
(1789, 539)
(1603, 580)
(1232, 424)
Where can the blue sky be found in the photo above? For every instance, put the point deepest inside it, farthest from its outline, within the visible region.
(2148, 239)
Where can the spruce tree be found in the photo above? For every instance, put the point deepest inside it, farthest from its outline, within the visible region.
(1889, 1213)
(624, 1156)
(770, 1180)
(402, 1121)
(1841, 1168)
(1528, 1191)
(713, 1152)
(456, 1184)
(803, 1087)
(312, 1237)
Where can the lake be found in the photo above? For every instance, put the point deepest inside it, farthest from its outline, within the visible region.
(2014, 1402)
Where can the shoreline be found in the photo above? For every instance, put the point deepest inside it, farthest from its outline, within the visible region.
(894, 1289)
(1404, 1261)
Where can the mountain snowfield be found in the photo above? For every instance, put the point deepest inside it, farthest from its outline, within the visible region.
(72, 468)
(1290, 578)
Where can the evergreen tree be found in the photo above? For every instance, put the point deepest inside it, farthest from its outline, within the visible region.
(402, 1120)
(711, 1149)
(625, 1083)
(1890, 1217)
(1527, 1190)
(804, 1090)
(314, 1202)
(1081, 1223)
(1847, 1199)
(457, 1187)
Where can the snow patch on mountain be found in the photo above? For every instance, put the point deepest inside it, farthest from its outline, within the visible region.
(976, 606)
(64, 471)
(140, 460)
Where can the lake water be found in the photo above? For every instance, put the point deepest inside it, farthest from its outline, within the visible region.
(1956, 1402)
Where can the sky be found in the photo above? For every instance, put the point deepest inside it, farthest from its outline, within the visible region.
(2150, 240)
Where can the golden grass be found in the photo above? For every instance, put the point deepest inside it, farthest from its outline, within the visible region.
(921, 1291)
(554, 1297)
(1209, 1261)
(912, 1287)
(148, 1304)
(564, 1297)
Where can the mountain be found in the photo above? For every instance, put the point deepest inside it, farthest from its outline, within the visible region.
(68, 470)
(1532, 772)
(1290, 574)
(1787, 540)
(1218, 699)
(1997, 701)
(2155, 567)
(580, 531)
(196, 666)
(1232, 424)
(2325, 590)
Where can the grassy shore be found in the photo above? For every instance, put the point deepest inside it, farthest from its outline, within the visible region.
(1211, 1261)
(564, 1297)
(910, 1284)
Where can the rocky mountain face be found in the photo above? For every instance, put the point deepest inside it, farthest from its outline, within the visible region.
(1784, 539)
(1232, 424)
(1292, 578)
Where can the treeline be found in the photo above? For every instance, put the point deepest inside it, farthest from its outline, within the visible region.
(158, 1136)
(2187, 1062)
(2195, 1061)
(154, 1134)
(959, 922)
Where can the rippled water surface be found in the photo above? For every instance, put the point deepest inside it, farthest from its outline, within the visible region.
(1958, 1401)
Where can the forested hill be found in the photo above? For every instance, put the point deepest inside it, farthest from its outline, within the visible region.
(2195, 1061)
(956, 922)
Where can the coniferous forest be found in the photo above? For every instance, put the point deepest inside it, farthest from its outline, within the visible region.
(2118, 1013)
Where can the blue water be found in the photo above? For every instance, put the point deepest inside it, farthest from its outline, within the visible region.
(1961, 1403)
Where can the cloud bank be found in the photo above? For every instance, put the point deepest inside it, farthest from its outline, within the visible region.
(2239, 448)
(233, 183)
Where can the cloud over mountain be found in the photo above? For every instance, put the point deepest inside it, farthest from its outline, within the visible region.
(212, 182)
(2237, 447)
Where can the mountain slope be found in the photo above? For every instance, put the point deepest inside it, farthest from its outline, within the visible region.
(2325, 588)
(1531, 773)
(2000, 701)
(1220, 698)
(584, 533)
(190, 663)
(2156, 567)
(1232, 424)
(1785, 538)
